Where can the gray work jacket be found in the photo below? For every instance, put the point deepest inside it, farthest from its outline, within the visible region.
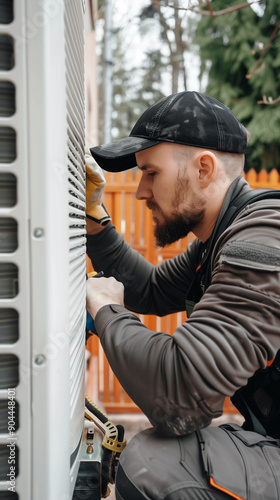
(180, 381)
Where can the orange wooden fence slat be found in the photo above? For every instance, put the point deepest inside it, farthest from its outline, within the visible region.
(128, 214)
(137, 226)
(117, 390)
(106, 378)
(134, 220)
(251, 177)
(274, 177)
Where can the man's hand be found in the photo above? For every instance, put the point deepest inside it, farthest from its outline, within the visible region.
(95, 184)
(102, 292)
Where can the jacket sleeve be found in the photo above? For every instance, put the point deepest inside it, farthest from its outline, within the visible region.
(149, 289)
(180, 381)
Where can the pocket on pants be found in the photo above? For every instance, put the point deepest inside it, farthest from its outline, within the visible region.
(235, 462)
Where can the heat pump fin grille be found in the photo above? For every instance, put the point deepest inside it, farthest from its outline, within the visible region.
(76, 179)
(72, 150)
(7, 97)
(76, 190)
(75, 44)
(4, 407)
(7, 145)
(74, 138)
(8, 495)
(4, 462)
(74, 166)
(9, 326)
(7, 60)
(8, 235)
(74, 203)
(74, 58)
(8, 280)
(76, 231)
(8, 190)
(9, 371)
(6, 13)
(73, 101)
(76, 214)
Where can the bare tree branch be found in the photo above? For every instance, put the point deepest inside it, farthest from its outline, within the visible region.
(156, 5)
(210, 7)
(255, 69)
(198, 9)
(269, 101)
(176, 50)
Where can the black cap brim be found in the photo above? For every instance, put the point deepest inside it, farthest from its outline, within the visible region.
(120, 155)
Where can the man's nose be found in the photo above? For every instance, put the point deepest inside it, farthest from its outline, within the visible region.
(144, 190)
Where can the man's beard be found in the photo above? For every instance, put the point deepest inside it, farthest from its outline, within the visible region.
(176, 227)
(179, 224)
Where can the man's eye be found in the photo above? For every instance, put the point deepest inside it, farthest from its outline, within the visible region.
(151, 174)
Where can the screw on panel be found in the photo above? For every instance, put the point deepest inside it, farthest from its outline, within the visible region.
(39, 360)
(38, 232)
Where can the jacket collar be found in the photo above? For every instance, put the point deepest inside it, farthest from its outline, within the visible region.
(235, 190)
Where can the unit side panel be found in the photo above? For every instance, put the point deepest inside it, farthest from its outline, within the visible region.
(15, 337)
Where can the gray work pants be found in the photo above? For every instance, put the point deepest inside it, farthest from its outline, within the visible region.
(214, 463)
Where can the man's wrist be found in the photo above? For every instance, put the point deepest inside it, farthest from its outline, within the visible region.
(93, 227)
(93, 308)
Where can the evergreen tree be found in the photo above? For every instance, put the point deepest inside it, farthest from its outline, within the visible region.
(233, 43)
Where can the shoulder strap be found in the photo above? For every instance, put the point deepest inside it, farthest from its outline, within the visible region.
(251, 196)
(241, 202)
(202, 279)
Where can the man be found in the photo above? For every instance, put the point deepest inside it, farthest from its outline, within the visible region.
(190, 149)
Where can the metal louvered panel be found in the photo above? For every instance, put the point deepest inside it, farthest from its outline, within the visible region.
(15, 390)
(77, 285)
(77, 357)
(74, 54)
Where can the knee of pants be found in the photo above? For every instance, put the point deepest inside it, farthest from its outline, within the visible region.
(150, 465)
(138, 453)
(132, 469)
(142, 464)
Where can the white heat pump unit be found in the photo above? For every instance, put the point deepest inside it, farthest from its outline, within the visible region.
(42, 247)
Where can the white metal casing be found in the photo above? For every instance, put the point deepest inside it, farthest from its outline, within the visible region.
(48, 75)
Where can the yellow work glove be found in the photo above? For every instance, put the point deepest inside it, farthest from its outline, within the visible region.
(95, 184)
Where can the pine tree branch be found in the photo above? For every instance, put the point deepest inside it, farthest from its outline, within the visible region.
(256, 68)
(269, 101)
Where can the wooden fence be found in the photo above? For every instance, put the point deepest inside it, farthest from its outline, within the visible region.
(132, 219)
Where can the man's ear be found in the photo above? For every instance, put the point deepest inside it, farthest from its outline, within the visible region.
(206, 163)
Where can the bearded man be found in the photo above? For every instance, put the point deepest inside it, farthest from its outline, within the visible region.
(190, 149)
